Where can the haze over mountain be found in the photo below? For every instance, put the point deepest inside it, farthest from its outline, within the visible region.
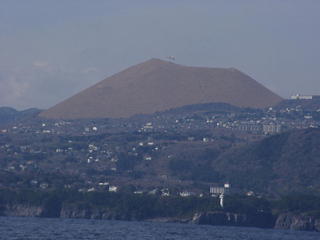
(157, 85)
(10, 115)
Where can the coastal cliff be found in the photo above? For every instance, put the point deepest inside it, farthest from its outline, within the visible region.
(89, 212)
(285, 221)
(21, 210)
(262, 220)
(289, 220)
(297, 222)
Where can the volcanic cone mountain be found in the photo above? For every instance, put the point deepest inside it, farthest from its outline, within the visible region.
(157, 85)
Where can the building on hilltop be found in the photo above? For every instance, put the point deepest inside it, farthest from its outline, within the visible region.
(250, 127)
(217, 190)
(271, 128)
(304, 97)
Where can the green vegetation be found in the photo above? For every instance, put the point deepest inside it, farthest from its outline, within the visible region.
(120, 204)
(194, 163)
(276, 165)
(298, 203)
(144, 206)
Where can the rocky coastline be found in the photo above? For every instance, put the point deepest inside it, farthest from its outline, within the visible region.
(302, 222)
(289, 221)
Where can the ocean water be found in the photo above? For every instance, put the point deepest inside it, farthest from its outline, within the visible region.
(74, 229)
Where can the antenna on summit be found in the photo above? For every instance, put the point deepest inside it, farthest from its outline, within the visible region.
(172, 58)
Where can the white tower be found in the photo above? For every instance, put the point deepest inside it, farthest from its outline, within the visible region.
(221, 196)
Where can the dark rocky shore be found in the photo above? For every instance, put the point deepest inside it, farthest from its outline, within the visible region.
(261, 220)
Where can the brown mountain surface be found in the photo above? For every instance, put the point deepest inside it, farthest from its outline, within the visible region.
(157, 85)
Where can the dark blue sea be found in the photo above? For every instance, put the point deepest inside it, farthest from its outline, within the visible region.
(75, 229)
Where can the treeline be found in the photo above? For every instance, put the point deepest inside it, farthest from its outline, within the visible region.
(298, 203)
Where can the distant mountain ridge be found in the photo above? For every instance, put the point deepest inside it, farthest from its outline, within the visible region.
(225, 107)
(10, 115)
(157, 85)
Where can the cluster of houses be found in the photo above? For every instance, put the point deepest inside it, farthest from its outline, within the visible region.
(100, 145)
(268, 121)
(216, 190)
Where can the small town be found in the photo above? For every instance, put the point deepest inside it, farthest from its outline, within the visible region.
(120, 154)
(158, 120)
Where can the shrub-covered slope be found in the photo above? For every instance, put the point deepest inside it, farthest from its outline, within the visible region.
(278, 164)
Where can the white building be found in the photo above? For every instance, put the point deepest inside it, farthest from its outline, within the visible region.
(217, 190)
(186, 194)
(113, 188)
(271, 128)
(301, 97)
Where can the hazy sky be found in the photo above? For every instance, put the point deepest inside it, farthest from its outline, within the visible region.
(51, 49)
